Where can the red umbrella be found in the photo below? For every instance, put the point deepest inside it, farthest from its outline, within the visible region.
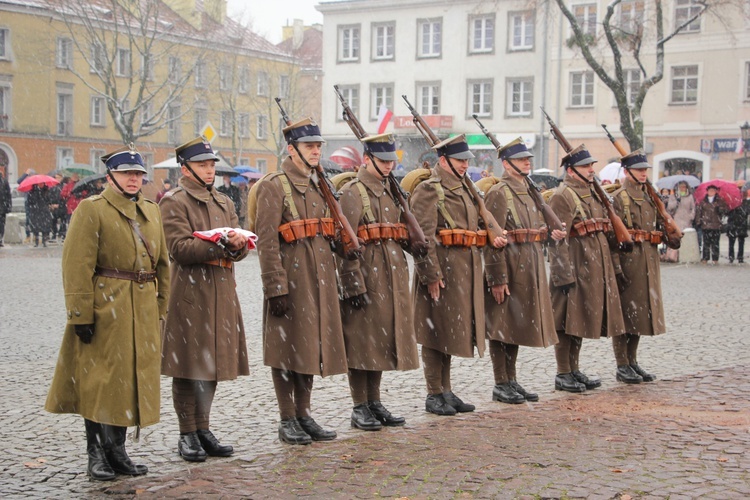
(34, 180)
(347, 158)
(728, 191)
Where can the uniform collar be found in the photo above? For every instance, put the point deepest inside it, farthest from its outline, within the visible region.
(575, 182)
(126, 206)
(635, 190)
(516, 184)
(199, 192)
(370, 181)
(447, 179)
(300, 180)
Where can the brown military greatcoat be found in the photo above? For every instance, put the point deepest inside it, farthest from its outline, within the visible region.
(455, 323)
(309, 338)
(591, 308)
(381, 335)
(205, 336)
(525, 317)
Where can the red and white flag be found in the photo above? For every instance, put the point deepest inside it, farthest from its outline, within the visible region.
(740, 146)
(384, 116)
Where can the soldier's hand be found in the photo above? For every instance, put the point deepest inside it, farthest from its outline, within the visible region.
(558, 235)
(434, 289)
(85, 333)
(499, 242)
(236, 241)
(499, 292)
(566, 288)
(278, 306)
(358, 301)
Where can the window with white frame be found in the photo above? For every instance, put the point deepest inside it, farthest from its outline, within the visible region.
(630, 15)
(747, 81)
(480, 97)
(430, 37)
(173, 124)
(348, 50)
(199, 75)
(97, 111)
(243, 80)
(243, 125)
(261, 132)
(225, 123)
(64, 55)
(4, 43)
(262, 83)
(174, 69)
(148, 160)
(632, 84)
(481, 34)
(428, 98)
(123, 62)
(521, 30)
(4, 106)
(284, 86)
(147, 67)
(200, 117)
(147, 113)
(351, 95)
(64, 157)
(520, 97)
(383, 41)
(95, 156)
(225, 77)
(585, 14)
(684, 85)
(381, 94)
(581, 89)
(261, 165)
(683, 11)
(64, 112)
(98, 58)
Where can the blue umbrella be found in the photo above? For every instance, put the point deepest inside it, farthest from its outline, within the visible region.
(243, 169)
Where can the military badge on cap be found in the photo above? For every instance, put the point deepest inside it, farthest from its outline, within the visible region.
(199, 149)
(454, 147)
(124, 159)
(636, 159)
(514, 150)
(303, 131)
(382, 146)
(578, 157)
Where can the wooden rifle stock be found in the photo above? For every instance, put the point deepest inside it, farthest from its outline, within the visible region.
(550, 217)
(624, 240)
(352, 250)
(674, 234)
(417, 242)
(494, 230)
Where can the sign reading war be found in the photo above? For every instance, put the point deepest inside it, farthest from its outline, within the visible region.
(725, 145)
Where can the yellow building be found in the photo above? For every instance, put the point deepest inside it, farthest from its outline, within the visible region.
(84, 77)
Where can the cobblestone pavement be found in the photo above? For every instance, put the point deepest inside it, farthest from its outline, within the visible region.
(684, 436)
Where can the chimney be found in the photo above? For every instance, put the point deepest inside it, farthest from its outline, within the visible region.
(298, 34)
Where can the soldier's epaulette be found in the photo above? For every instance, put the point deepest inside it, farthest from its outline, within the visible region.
(95, 197)
(172, 192)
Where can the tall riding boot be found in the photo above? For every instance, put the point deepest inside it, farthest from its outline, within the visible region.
(99, 468)
(114, 448)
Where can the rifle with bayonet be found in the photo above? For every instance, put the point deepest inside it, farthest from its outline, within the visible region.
(550, 217)
(417, 242)
(674, 234)
(494, 230)
(352, 250)
(624, 240)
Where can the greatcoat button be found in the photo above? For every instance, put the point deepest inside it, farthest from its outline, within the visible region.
(140, 286)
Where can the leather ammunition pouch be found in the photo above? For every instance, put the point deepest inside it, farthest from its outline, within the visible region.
(379, 231)
(462, 238)
(640, 236)
(527, 235)
(307, 228)
(591, 226)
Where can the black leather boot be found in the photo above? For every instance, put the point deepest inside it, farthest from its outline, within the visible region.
(362, 418)
(98, 468)
(435, 403)
(646, 376)
(566, 382)
(114, 448)
(589, 382)
(190, 449)
(528, 396)
(626, 374)
(212, 446)
(291, 432)
(456, 403)
(506, 394)
(316, 432)
(381, 413)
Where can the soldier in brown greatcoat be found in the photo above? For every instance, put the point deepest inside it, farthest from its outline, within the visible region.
(585, 299)
(377, 316)
(204, 339)
(518, 309)
(447, 288)
(638, 272)
(302, 334)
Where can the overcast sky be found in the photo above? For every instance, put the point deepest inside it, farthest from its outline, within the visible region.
(268, 16)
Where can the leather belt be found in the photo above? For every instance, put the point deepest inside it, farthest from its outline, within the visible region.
(220, 263)
(137, 276)
(591, 226)
(527, 235)
(462, 238)
(641, 236)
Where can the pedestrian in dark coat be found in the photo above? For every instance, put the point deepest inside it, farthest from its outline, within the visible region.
(737, 229)
(233, 192)
(708, 215)
(378, 321)
(302, 333)
(40, 214)
(518, 308)
(204, 338)
(116, 281)
(6, 204)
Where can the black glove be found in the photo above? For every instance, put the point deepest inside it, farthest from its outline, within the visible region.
(622, 282)
(566, 288)
(85, 333)
(278, 306)
(358, 301)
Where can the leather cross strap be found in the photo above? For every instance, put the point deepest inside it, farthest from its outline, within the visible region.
(138, 233)
(137, 276)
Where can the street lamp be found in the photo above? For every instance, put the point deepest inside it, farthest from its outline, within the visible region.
(745, 131)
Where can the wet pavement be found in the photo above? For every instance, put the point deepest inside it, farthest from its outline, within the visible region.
(684, 436)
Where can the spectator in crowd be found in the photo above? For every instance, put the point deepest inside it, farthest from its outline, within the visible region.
(681, 206)
(6, 202)
(40, 215)
(708, 216)
(57, 206)
(166, 187)
(233, 192)
(737, 228)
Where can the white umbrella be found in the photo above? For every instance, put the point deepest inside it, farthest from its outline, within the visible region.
(172, 163)
(612, 172)
(542, 171)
